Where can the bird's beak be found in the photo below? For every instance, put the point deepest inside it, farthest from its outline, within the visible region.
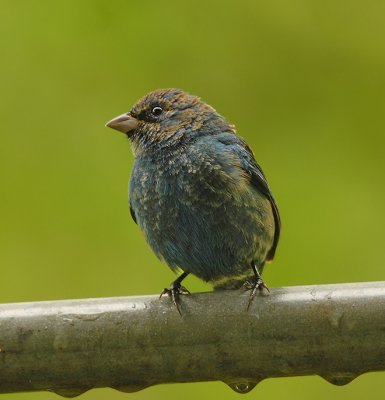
(123, 123)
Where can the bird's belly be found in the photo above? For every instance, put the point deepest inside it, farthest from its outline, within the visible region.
(210, 233)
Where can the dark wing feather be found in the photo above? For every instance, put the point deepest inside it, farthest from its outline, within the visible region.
(257, 179)
(132, 212)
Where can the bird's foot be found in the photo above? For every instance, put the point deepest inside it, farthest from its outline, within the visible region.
(176, 289)
(256, 285)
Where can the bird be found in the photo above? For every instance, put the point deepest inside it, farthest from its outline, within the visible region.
(198, 194)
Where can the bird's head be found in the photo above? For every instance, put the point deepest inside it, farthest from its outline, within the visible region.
(166, 117)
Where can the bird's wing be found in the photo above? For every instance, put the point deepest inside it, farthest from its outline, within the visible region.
(257, 179)
(132, 212)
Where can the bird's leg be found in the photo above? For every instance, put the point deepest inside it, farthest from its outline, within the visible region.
(176, 289)
(258, 284)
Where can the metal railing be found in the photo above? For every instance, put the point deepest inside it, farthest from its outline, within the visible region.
(129, 343)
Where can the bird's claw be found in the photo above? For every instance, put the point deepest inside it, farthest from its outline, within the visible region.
(258, 284)
(174, 292)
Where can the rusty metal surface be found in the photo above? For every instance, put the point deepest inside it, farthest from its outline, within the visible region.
(129, 343)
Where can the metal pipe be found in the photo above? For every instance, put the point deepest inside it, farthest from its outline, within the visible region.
(129, 343)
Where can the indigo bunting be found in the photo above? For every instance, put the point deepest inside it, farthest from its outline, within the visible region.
(197, 193)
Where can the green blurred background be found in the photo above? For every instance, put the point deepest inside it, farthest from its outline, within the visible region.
(304, 82)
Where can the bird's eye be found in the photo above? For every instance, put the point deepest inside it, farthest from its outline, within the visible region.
(156, 111)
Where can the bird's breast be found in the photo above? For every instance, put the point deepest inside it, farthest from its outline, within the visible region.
(162, 191)
(196, 212)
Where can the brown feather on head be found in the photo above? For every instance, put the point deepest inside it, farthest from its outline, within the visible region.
(163, 116)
